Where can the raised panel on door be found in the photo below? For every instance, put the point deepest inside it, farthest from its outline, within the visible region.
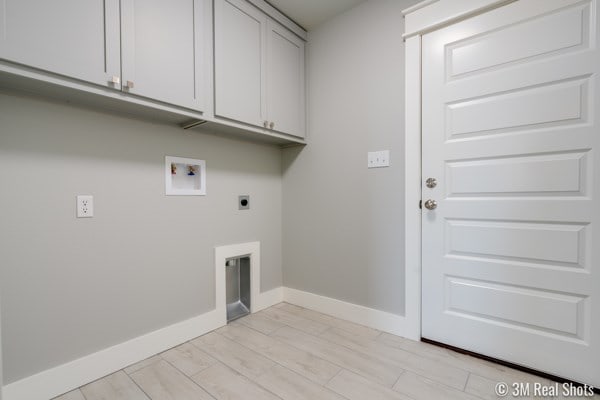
(75, 38)
(162, 53)
(239, 62)
(285, 80)
(510, 130)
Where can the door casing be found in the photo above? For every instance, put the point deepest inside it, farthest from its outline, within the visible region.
(419, 20)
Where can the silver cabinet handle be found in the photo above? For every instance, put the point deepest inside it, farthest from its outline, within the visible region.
(431, 204)
(431, 183)
(272, 125)
(115, 80)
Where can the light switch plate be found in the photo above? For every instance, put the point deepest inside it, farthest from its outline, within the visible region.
(85, 206)
(378, 159)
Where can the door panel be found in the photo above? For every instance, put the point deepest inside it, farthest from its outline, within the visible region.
(556, 33)
(239, 60)
(559, 244)
(285, 80)
(516, 307)
(564, 103)
(162, 50)
(509, 265)
(74, 38)
(536, 175)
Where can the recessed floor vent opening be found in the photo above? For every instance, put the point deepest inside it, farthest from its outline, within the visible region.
(237, 290)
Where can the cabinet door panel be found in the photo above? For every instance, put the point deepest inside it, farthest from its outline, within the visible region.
(239, 61)
(285, 80)
(162, 50)
(75, 38)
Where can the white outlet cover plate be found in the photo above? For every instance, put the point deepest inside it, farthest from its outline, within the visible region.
(378, 159)
(85, 206)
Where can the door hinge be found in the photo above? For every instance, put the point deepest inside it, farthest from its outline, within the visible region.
(421, 204)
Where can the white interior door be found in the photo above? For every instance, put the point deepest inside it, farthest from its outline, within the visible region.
(511, 254)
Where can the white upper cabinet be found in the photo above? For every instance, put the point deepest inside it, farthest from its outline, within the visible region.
(285, 80)
(239, 62)
(162, 50)
(75, 38)
(259, 69)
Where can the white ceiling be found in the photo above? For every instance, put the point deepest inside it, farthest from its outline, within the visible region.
(310, 13)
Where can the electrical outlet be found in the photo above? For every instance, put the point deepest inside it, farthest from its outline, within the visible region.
(378, 159)
(85, 206)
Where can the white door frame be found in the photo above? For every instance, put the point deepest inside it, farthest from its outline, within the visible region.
(424, 17)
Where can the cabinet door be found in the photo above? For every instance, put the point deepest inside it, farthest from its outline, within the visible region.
(75, 38)
(239, 62)
(285, 80)
(162, 50)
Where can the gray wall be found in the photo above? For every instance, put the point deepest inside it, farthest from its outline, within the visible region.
(1, 376)
(343, 224)
(71, 286)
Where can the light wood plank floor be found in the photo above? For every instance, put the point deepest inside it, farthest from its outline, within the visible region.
(291, 353)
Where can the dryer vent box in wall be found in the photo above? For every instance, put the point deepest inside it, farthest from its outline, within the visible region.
(237, 278)
(244, 202)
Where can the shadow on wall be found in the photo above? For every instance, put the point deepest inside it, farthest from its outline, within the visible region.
(83, 136)
(289, 156)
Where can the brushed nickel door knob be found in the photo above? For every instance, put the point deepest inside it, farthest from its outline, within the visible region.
(431, 183)
(431, 204)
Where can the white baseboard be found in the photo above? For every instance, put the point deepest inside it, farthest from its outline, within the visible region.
(64, 378)
(370, 317)
(268, 299)
(58, 380)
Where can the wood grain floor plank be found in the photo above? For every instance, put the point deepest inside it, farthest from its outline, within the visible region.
(117, 386)
(289, 319)
(142, 364)
(355, 387)
(74, 395)
(225, 384)
(302, 362)
(188, 358)
(379, 370)
(291, 386)
(162, 381)
(260, 322)
(421, 388)
(350, 327)
(436, 370)
(241, 359)
(478, 366)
